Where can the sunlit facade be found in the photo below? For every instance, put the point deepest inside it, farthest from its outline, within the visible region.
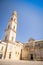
(12, 49)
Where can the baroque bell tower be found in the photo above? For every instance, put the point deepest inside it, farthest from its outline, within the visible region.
(10, 32)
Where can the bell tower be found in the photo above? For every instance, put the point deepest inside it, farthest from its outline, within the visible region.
(10, 32)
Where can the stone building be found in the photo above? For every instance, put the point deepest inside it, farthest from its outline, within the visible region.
(33, 50)
(12, 49)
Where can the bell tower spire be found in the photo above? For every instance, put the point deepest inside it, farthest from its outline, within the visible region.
(10, 32)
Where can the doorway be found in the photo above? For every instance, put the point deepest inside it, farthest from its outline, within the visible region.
(0, 56)
(31, 56)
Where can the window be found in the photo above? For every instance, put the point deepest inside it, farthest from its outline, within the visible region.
(2, 48)
(11, 18)
(39, 45)
(14, 19)
(8, 26)
(18, 53)
(15, 52)
(9, 55)
(12, 38)
(5, 37)
(14, 27)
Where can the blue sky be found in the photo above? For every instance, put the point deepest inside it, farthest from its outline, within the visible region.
(29, 18)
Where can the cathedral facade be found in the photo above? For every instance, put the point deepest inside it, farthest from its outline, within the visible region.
(12, 49)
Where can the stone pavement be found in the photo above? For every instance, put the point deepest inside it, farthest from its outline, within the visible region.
(19, 62)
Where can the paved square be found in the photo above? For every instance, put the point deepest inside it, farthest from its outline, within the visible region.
(19, 62)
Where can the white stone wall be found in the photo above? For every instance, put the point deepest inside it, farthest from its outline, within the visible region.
(15, 50)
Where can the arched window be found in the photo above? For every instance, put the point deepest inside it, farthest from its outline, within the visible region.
(11, 18)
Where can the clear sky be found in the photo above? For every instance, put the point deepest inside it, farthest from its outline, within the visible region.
(29, 15)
